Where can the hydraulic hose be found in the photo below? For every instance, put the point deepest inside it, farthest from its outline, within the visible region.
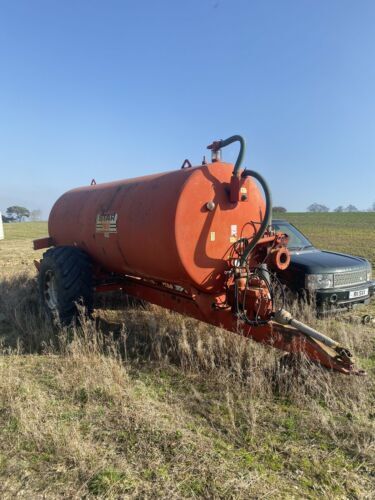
(267, 216)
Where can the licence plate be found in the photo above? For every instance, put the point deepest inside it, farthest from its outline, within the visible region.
(358, 293)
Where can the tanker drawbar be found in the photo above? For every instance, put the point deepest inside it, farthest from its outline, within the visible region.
(197, 240)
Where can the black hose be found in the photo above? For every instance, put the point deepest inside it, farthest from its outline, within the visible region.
(267, 216)
(234, 138)
(215, 146)
(240, 309)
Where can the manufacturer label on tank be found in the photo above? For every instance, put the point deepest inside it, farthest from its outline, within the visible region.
(106, 223)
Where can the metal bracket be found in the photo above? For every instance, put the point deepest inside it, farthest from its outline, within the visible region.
(186, 164)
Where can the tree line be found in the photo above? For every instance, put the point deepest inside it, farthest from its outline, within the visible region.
(317, 207)
(16, 213)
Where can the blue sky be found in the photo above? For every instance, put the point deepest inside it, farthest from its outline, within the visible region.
(115, 89)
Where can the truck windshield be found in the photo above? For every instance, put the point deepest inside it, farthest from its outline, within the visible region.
(297, 241)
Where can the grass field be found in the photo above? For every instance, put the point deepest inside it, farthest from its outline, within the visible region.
(344, 232)
(148, 404)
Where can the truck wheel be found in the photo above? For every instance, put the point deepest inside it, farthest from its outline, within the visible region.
(65, 279)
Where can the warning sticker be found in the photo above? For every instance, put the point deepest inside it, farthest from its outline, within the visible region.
(233, 233)
(212, 235)
(106, 223)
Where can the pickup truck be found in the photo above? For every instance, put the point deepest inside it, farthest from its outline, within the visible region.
(335, 280)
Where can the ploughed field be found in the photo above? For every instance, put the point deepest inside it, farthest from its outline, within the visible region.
(143, 403)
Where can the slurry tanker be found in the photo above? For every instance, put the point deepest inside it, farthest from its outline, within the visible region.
(195, 240)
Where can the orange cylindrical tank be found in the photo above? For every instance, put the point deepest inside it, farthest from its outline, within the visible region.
(177, 227)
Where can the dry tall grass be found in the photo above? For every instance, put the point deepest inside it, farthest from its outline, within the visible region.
(147, 403)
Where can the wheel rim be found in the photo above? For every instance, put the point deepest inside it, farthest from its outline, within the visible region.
(50, 290)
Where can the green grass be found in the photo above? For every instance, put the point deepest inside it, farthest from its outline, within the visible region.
(192, 439)
(166, 407)
(16, 250)
(351, 233)
(25, 230)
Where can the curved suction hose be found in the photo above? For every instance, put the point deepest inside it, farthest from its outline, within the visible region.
(267, 216)
(216, 145)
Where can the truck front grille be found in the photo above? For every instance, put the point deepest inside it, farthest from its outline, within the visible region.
(350, 278)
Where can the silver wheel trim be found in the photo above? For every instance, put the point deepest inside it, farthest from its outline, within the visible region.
(50, 290)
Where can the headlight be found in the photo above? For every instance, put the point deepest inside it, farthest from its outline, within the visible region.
(369, 274)
(316, 281)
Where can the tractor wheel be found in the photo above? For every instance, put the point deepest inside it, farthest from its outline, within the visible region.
(65, 280)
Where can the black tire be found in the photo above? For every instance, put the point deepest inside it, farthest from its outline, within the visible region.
(65, 279)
